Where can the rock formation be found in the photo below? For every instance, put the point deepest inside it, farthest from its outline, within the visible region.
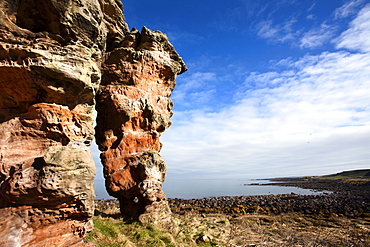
(54, 58)
(134, 108)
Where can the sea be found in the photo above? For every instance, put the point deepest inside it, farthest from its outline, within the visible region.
(185, 188)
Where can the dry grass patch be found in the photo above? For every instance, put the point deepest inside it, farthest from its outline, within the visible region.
(291, 229)
(298, 230)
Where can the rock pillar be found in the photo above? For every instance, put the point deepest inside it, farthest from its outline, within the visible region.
(57, 58)
(134, 109)
(50, 60)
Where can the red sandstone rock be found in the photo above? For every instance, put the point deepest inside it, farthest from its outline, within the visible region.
(52, 57)
(134, 108)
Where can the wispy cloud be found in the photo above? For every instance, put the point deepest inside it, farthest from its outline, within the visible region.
(310, 116)
(178, 38)
(276, 33)
(194, 88)
(317, 37)
(347, 9)
(357, 36)
(312, 7)
(309, 123)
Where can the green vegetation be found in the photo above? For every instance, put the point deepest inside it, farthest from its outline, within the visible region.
(115, 232)
(355, 174)
(249, 225)
(291, 229)
(363, 174)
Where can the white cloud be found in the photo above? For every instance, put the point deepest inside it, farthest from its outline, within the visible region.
(308, 116)
(194, 88)
(276, 33)
(266, 30)
(311, 118)
(317, 37)
(347, 9)
(179, 38)
(312, 7)
(310, 17)
(357, 36)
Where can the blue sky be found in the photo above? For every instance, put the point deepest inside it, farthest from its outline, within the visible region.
(274, 88)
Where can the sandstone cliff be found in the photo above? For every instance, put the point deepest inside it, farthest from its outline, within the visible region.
(57, 58)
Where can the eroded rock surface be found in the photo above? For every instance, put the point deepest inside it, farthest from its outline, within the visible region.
(134, 108)
(50, 60)
(57, 58)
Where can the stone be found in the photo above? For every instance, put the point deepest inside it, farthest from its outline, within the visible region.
(50, 202)
(59, 60)
(134, 109)
(50, 69)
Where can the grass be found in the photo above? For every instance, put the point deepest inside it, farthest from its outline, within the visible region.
(355, 174)
(115, 232)
(187, 231)
(255, 228)
(290, 229)
(361, 174)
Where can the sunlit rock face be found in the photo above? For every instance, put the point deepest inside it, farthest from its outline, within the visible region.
(50, 70)
(58, 61)
(134, 109)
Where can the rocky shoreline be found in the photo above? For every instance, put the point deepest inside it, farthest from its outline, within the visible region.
(338, 218)
(347, 198)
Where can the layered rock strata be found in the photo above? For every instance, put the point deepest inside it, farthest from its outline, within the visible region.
(52, 57)
(134, 109)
